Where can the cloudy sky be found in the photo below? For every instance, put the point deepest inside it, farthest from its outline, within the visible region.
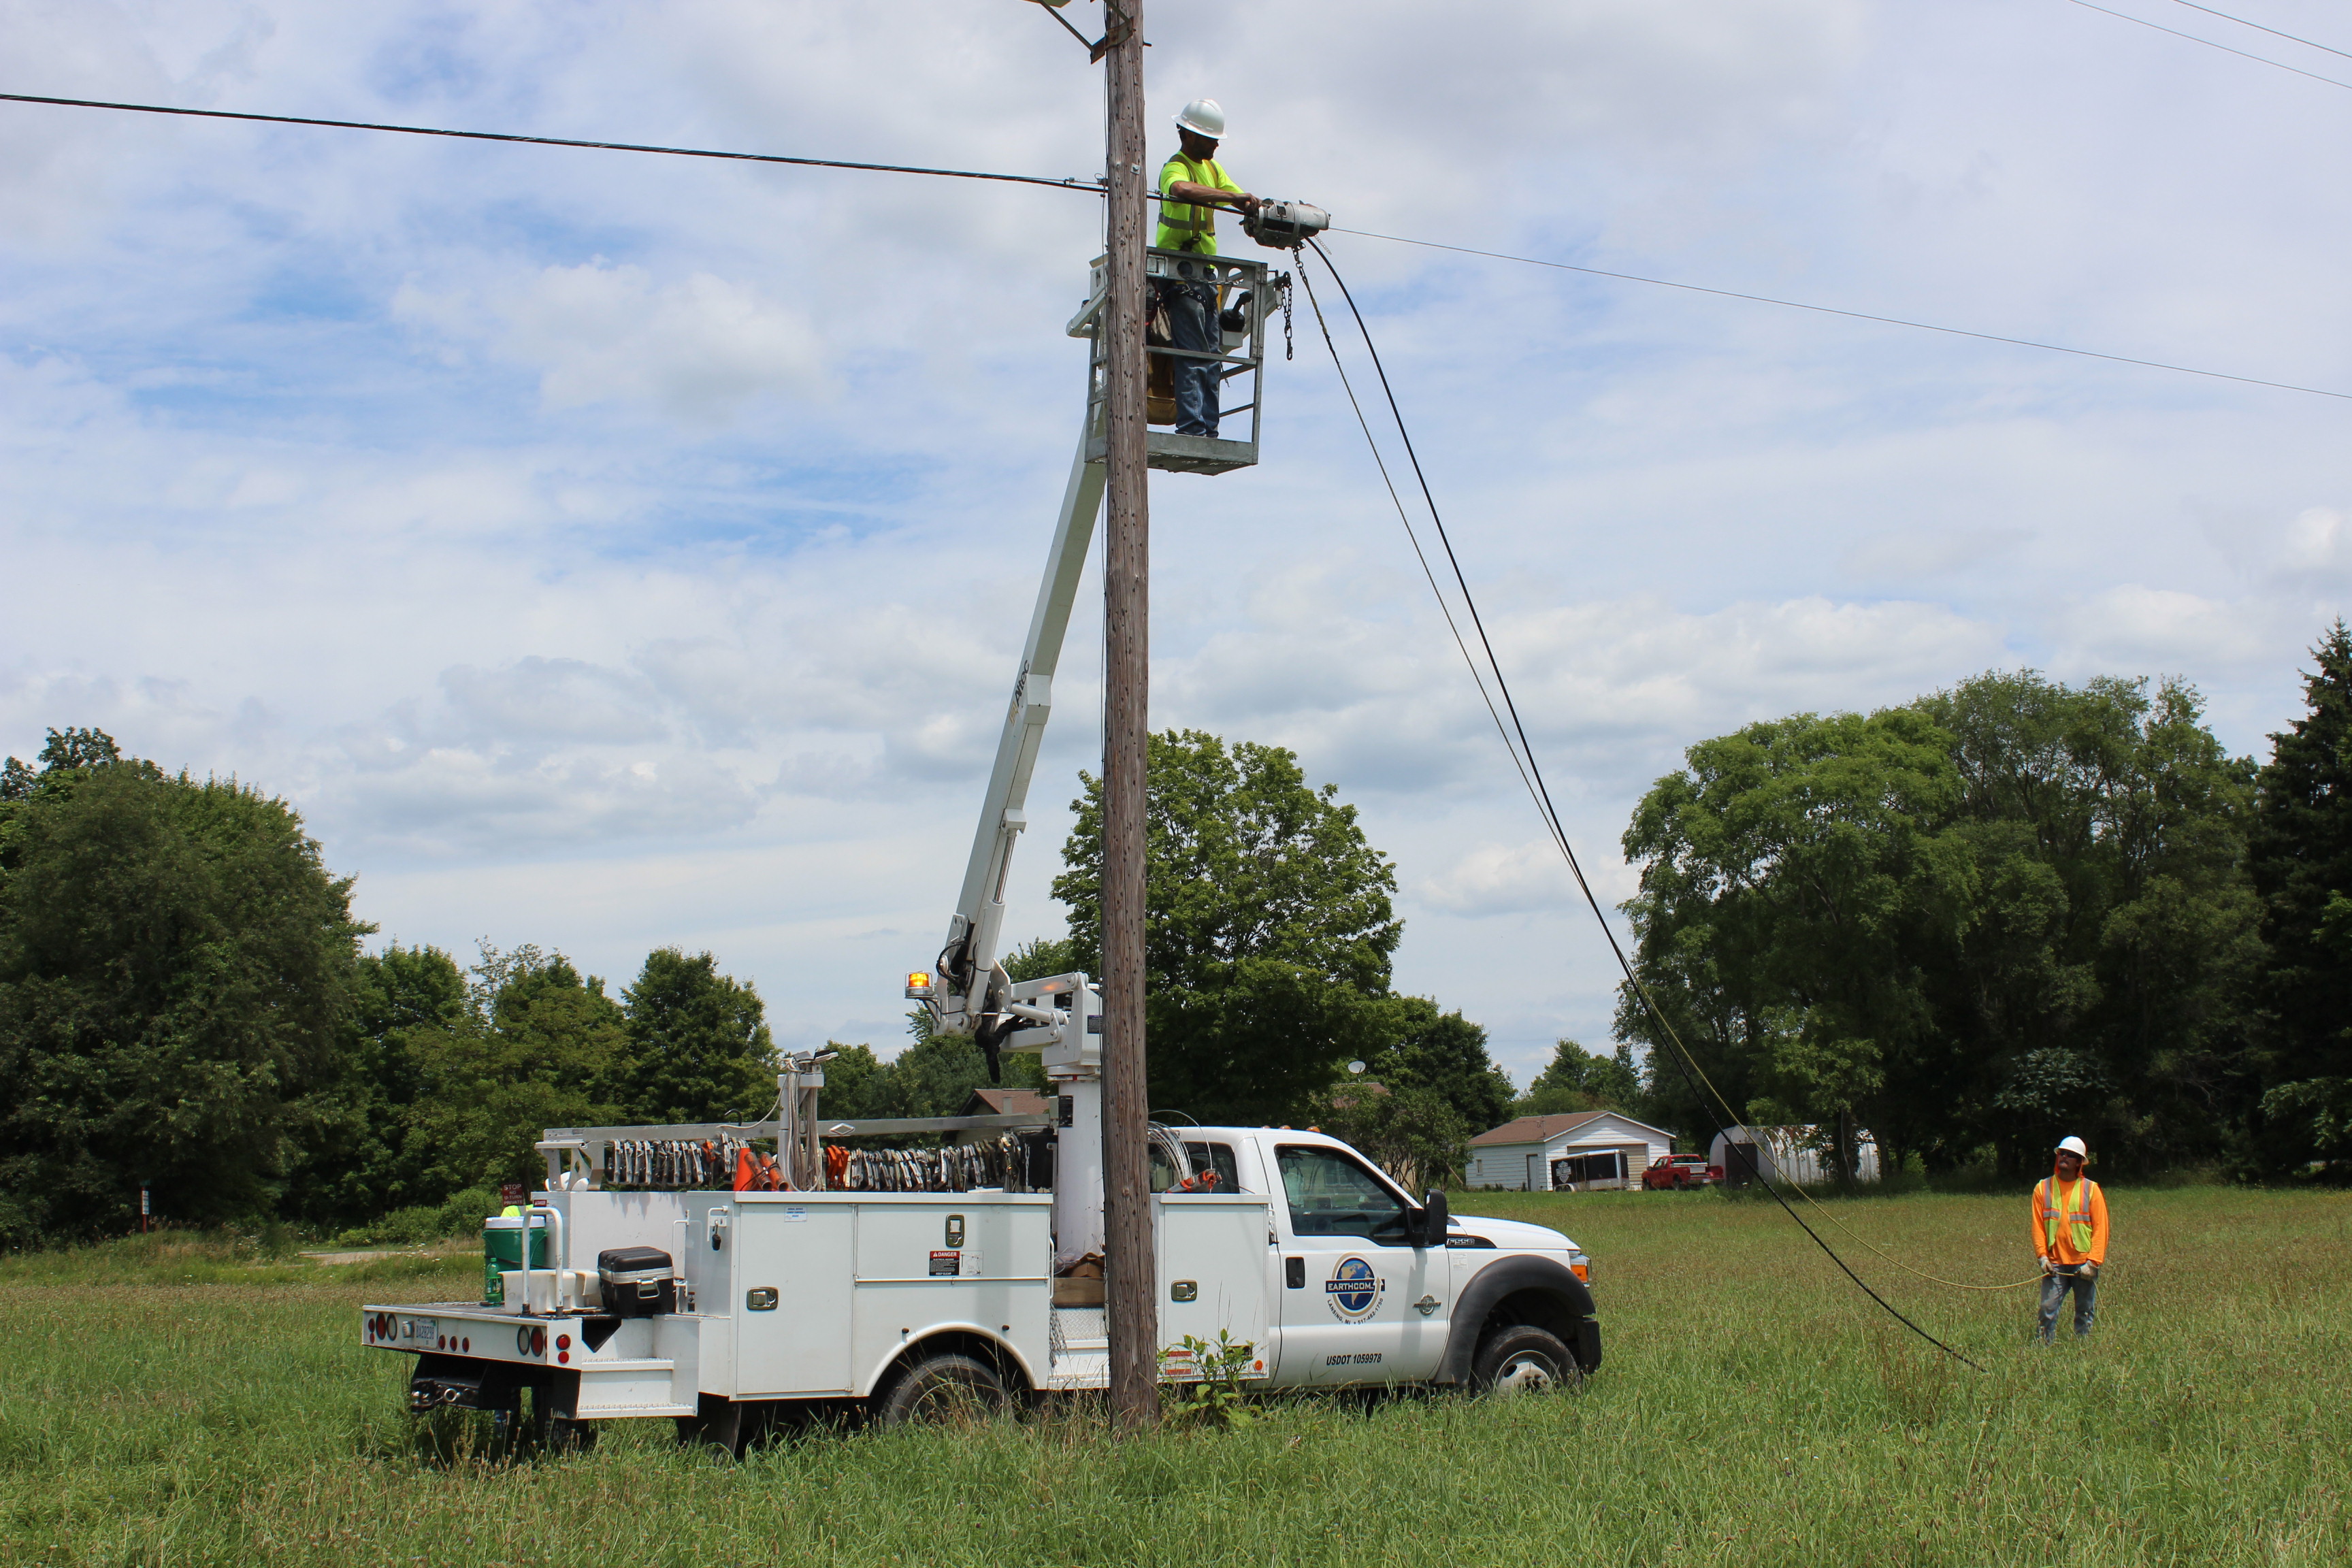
(606, 551)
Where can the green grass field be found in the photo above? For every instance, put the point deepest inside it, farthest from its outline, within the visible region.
(170, 1404)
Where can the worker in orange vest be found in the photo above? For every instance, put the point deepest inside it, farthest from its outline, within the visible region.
(2070, 1237)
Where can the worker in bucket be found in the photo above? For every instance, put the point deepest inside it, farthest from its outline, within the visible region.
(2070, 1237)
(1192, 187)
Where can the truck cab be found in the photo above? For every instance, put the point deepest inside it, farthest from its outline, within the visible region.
(1371, 1287)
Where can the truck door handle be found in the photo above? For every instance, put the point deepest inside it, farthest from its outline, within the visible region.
(1293, 1273)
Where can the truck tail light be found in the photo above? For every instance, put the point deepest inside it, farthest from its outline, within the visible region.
(539, 1341)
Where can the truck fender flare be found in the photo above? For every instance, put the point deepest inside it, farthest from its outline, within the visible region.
(1562, 1304)
(996, 1346)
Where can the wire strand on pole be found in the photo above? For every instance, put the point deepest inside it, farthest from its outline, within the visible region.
(1850, 315)
(1073, 182)
(2257, 26)
(1541, 792)
(2258, 59)
(1095, 187)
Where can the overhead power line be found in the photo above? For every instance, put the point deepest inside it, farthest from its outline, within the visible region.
(1851, 315)
(1094, 187)
(2258, 27)
(1515, 741)
(1074, 182)
(2258, 59)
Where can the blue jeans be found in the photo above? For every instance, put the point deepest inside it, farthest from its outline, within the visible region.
(2054, 1296)
(1192, 323)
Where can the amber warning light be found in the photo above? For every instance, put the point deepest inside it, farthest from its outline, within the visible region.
(918, 987)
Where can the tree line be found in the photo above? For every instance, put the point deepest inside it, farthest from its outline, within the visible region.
(2006, 911)
(1963, 924)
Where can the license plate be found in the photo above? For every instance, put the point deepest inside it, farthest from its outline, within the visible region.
(420, 1331)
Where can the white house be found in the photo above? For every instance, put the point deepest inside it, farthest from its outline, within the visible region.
(1784, 1154)
(1590, 1151)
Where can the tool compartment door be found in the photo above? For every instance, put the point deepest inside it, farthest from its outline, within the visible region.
(800, 1246)
(929, 1261)
(1212, 1273)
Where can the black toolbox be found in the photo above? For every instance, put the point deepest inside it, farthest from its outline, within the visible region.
(636, 1282)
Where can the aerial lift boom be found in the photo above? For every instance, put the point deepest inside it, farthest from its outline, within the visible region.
(1060, 1017)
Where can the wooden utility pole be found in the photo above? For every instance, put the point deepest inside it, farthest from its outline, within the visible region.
(1130, 1283)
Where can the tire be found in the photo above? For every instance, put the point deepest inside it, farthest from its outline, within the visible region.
(1523, 1359)
(729, 1426)
(944, 1387)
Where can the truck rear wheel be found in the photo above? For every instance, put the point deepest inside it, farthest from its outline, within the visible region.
(944, 1387)
(1523, 1359)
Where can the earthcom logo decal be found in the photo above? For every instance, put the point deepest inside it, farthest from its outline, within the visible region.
(1353, 1291)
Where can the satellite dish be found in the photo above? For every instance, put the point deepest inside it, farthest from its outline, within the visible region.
(1355, 1066)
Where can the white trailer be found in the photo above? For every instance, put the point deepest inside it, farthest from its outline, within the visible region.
(790, 1304)
(785, 1303)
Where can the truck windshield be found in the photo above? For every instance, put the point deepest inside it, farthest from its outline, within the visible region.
(1330, 1195)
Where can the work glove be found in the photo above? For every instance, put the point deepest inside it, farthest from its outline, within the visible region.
(2049, 1266)
(2088, 1271)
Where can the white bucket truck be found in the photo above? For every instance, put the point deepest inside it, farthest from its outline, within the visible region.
(782, 1305)
(780, 1302)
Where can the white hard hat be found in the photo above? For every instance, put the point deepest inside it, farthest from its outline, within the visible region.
(2073, 1146)
(1204, 116)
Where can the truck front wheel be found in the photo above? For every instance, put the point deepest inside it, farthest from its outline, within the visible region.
(943, 1387)
(1523, 1359)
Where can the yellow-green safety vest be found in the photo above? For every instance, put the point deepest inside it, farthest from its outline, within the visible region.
(1182, 224)
(2066, 1212)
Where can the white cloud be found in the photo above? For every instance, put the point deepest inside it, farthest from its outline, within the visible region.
(697, 349)
(611, 550)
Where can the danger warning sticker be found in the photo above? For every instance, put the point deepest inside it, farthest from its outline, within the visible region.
(947, 1263)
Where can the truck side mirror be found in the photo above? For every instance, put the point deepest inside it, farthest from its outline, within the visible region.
(1433, 1216)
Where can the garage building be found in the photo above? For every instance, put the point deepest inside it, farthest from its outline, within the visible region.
(1590, 1151)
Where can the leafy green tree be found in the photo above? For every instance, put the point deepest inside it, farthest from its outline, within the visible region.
(176, 972)
(1788, 873)
(353, 1164)
(1447, 1054)
(698, 1049)
(1410, 1132)
(1040, 957)
(853, 1082)
(2110, 914)
(1270, 927)
(1884, 919)
(540, 1046)
(1575, 1079)
(2300, 853)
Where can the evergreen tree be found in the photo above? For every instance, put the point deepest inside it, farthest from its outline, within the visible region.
(2300, 850)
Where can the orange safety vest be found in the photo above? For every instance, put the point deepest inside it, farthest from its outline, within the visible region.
(2073, 1210)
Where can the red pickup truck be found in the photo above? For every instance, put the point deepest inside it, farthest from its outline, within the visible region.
(1676, 1170)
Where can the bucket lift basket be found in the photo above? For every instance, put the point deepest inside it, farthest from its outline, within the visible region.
(1242, 360)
